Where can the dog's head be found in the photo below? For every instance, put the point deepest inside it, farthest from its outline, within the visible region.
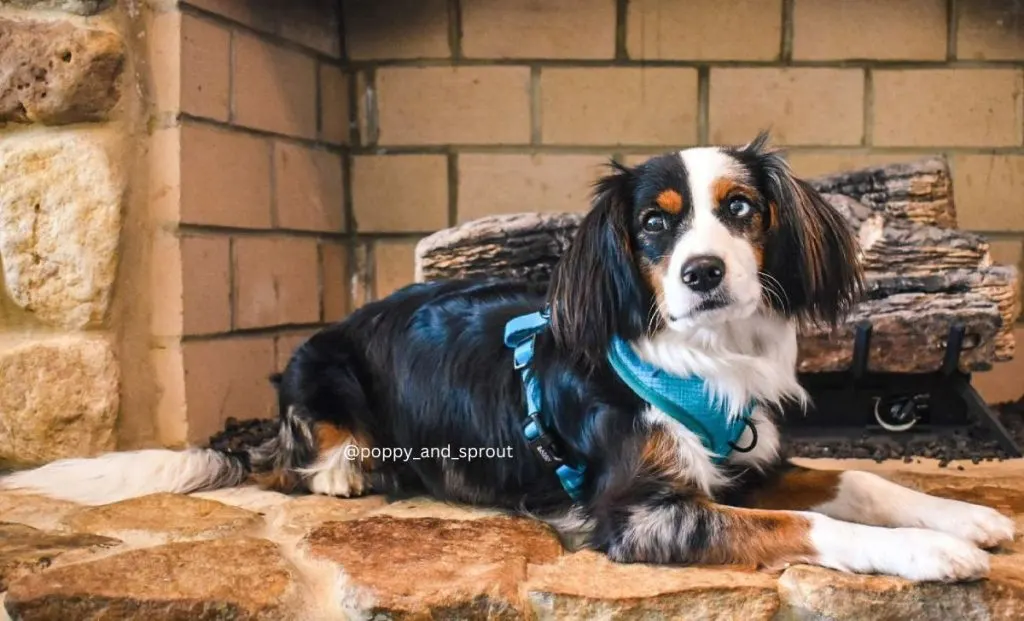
(697, 238)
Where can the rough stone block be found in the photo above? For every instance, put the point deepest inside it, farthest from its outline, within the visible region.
(56, 73)
(79, 7)
(58, 398)
(60, 218)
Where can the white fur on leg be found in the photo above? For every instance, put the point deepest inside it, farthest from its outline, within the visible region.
(867, 498)
(911, 553)
(118, 476)
(337, 472)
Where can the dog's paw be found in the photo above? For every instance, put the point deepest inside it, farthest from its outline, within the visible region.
(982, 526)
(926, 555)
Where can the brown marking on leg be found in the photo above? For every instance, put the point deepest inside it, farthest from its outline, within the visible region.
(798, 490)
(670, 201)
(761, 538)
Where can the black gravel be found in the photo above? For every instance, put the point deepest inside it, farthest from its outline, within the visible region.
(975, 444)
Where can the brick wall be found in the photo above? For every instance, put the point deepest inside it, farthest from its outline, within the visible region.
(250, 107)
(466, 108)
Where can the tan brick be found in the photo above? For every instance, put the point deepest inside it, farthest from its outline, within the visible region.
(286, 344)
(1005, 382)
(394, 265)
(275, 281)
(334, 106)
(453, 105)
(273, 88)
(1007, 251)
(206, 266)
(635, 159)
(164, 282)
(494, 184)
(799, 106)
(807, 164)
(227, 377)
(225, 177)
(312, 23)
(400, 193)
(334, 279)
(703, 30)
(308, 188)
(989, 192)
(947, 107)
(990, 30)
(256, 13)
(840, 29)
(612, 106)
(205, 59)
(396, 29)
(531, 29)
(163, 55)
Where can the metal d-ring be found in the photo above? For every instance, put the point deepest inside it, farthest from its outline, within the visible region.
(753, 442)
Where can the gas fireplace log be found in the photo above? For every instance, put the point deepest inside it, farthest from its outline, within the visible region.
(920, 191)
(891, 245)
(909, 332)
(520, 246)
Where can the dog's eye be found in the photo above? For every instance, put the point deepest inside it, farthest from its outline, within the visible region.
(654, 223)
(740, 208)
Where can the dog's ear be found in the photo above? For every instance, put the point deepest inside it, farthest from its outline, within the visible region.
(810, 249)
(596, 291)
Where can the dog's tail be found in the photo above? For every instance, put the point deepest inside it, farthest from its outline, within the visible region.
(118, 476)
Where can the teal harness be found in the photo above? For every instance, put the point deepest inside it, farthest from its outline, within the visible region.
(685, 399)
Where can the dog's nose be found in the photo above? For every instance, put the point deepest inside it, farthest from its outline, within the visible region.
(703, 273)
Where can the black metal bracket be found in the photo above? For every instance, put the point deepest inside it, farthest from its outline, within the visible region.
(843, 398)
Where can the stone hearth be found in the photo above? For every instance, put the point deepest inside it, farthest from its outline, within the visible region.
(247, 554)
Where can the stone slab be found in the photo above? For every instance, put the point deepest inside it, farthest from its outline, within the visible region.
(242, 579)
(25, 550)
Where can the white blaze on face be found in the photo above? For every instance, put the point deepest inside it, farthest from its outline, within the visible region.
(707, 235)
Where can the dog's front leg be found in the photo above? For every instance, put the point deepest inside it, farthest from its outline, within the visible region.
(676, 526)
(866, 498)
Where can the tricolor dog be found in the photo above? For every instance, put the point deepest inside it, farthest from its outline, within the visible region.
(637, 394)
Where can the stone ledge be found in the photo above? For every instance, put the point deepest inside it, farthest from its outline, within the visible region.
(313, 557)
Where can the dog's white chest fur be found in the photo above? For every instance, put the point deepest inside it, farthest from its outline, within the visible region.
(749, 360)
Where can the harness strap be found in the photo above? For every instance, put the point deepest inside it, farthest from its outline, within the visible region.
(520, 335)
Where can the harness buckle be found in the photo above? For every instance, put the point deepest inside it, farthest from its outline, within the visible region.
(541, 441)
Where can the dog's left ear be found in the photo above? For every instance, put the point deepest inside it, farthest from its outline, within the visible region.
(811, 250)
(595, 290)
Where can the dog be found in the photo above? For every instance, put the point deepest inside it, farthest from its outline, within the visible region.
(698, 264)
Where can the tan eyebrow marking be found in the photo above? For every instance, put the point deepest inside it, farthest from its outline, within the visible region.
(670, 200)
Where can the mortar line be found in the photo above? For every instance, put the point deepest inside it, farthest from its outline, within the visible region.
(868, 136)
(536, 132)
(453, 188)
(455, 28)
(703, 105)
(252, 332)
(952, 25)
(621, 15)
(786, 44)
(262, 133)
